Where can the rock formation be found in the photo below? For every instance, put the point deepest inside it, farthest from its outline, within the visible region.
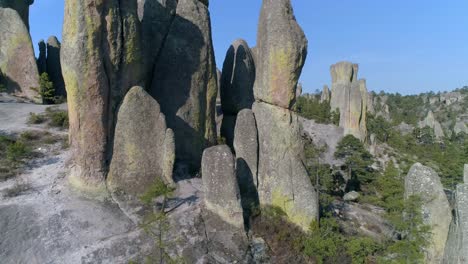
(100, 58)
(21, 6)
(281, 53)
(54, 68)
(283, 181)
(325, 96)
(42, 60)
(370, 103)
(237, 81)
(144, 148)
(220, 185)
(17, 60)
(456, 249)
(246, 149)
(431, 122)
(424, 182)
(349, 96)
(460, 127)
(185, 82)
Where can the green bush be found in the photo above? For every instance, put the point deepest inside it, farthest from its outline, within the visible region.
(17, 151)
(158, 188)
(36, 119)
(59, 119)
(312, 108)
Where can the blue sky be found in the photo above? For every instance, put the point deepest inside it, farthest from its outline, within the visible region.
(401, 46)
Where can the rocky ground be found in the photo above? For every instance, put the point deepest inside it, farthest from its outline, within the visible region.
(46, 221)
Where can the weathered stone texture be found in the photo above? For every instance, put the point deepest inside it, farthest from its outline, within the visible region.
(143, 146)
(424, 182)
(185, 81)
(100, 58)
(325, 96)
(431, 122)
(282, 177)
(54, 68)
(220, 185)
(17, 60)
(280, 54)
(20, 6)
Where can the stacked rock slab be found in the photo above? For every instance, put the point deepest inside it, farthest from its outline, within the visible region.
(283, 181)
(424, 182)
(185, 82)
(144, 149)
(237, 81)
(456, 249)
(349, 96)
(54, 68)
(100, 58)
(280, 54)
(220, 185)
(17, 60)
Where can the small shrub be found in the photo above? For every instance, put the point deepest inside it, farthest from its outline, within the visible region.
(17, 151)
(159, 188)
(36, 119)
(59, 119)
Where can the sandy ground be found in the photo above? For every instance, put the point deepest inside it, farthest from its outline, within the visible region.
(51, 223)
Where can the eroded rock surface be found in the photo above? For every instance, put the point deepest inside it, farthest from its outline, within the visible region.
(143, 146)
(431, 122)
(281, 52)
(185, 81)
(282, 177)
(17, 60)
(54, 68)
(101, 61)
(424, 182)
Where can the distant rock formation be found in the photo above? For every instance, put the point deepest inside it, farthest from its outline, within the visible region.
(17, 60)
(100, 63)
(281, 53)
(54, 68)
(21, 6)
(451, 98)
(299, 90)
(325, 96)
(42, 60)
(430, 121)
(220, 185)
(349, 96)
(460, 127)
(144, 148)
(424, 182)
(237, 81)
(456, 249)
(185, 81)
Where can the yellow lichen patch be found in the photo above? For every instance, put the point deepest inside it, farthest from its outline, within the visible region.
(287, 205)
(280, 64)
(93, 190)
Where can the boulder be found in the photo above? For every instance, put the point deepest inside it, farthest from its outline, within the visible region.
(351, 196)
(42, 60)
(143, 146)
(101, 61)
(430, 121)
(20, 6)
(220, 185)
(17, 60)
(281, 52)
(238, 79)
(283, 181)
(246, 149)
(185, 82)
(325, 96)
(424, 182)
(54, 68)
